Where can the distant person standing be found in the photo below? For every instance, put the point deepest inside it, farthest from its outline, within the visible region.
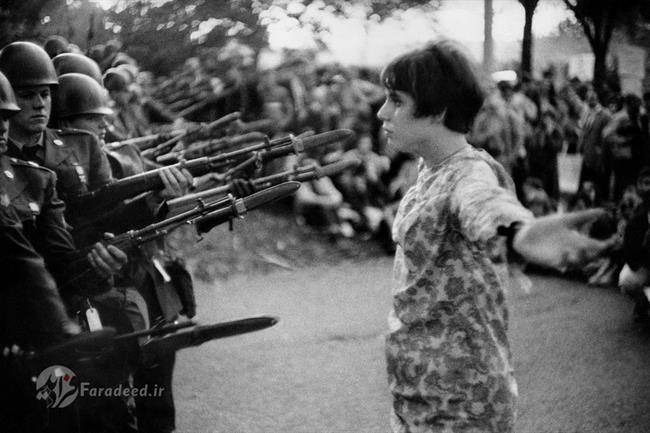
(595, 164)
(625, 142)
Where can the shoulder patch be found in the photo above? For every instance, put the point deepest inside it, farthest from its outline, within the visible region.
(29, 164)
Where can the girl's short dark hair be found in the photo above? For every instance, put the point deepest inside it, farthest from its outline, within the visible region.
(441, 79)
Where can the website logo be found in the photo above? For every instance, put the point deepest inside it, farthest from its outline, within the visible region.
(54, 386)
(58, 387)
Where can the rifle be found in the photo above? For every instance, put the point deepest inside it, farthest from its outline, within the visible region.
(221, 210)
(217, 212)
(113, 193)
(300, 174)
(168, 338)
(211, 147)
(198, 335)
(204, 130)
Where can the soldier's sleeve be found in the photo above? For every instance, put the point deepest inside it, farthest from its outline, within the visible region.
(32, 310)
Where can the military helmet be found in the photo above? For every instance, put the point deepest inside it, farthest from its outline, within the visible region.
(116, 79)
(123, 59)
(70, 62)
(7, 97)
(26, 64)
(96, 52)
(55, 45)
(79, 94)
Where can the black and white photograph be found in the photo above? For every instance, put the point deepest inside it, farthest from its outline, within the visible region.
(325, 216)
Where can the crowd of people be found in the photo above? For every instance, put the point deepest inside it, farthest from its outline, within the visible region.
(70, 123)
(531, 127)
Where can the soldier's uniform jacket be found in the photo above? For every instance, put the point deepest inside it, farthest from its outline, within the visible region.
(31, 311)
(80, 164)
(77, 159)
(30, 191)
(74, 155)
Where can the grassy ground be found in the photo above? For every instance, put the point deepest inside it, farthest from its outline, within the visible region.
(264, 241)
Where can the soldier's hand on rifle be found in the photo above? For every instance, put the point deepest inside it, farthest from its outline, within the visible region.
(106, 260)
(177, 182)
(241, 187)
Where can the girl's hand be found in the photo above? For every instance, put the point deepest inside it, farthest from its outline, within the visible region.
(556, 242)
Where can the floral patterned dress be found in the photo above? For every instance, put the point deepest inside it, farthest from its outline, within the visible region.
(448, 357)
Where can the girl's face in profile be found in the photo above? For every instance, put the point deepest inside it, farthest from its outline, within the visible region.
(404, 132)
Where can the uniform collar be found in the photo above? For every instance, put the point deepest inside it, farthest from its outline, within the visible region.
(19, 144)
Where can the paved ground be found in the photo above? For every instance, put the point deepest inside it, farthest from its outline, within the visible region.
(581, 365)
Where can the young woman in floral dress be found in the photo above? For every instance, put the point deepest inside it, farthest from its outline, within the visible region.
(448, 356)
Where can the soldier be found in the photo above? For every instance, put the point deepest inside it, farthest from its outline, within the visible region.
(129, 120)
(135, 114)
(55, 45)
(25, 269)
(32, 313)
(75, 156)
(80, 103)
(31, 192)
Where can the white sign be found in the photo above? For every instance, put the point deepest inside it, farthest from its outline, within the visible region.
(582, 66)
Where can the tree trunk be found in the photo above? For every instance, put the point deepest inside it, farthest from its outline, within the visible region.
(600, 65)
(488, 42)
(527, 42)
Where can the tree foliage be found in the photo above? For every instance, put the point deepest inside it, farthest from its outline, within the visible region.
(369, 10)
(20, 19)
(161, 35)
(599, 19)
(79, 21)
